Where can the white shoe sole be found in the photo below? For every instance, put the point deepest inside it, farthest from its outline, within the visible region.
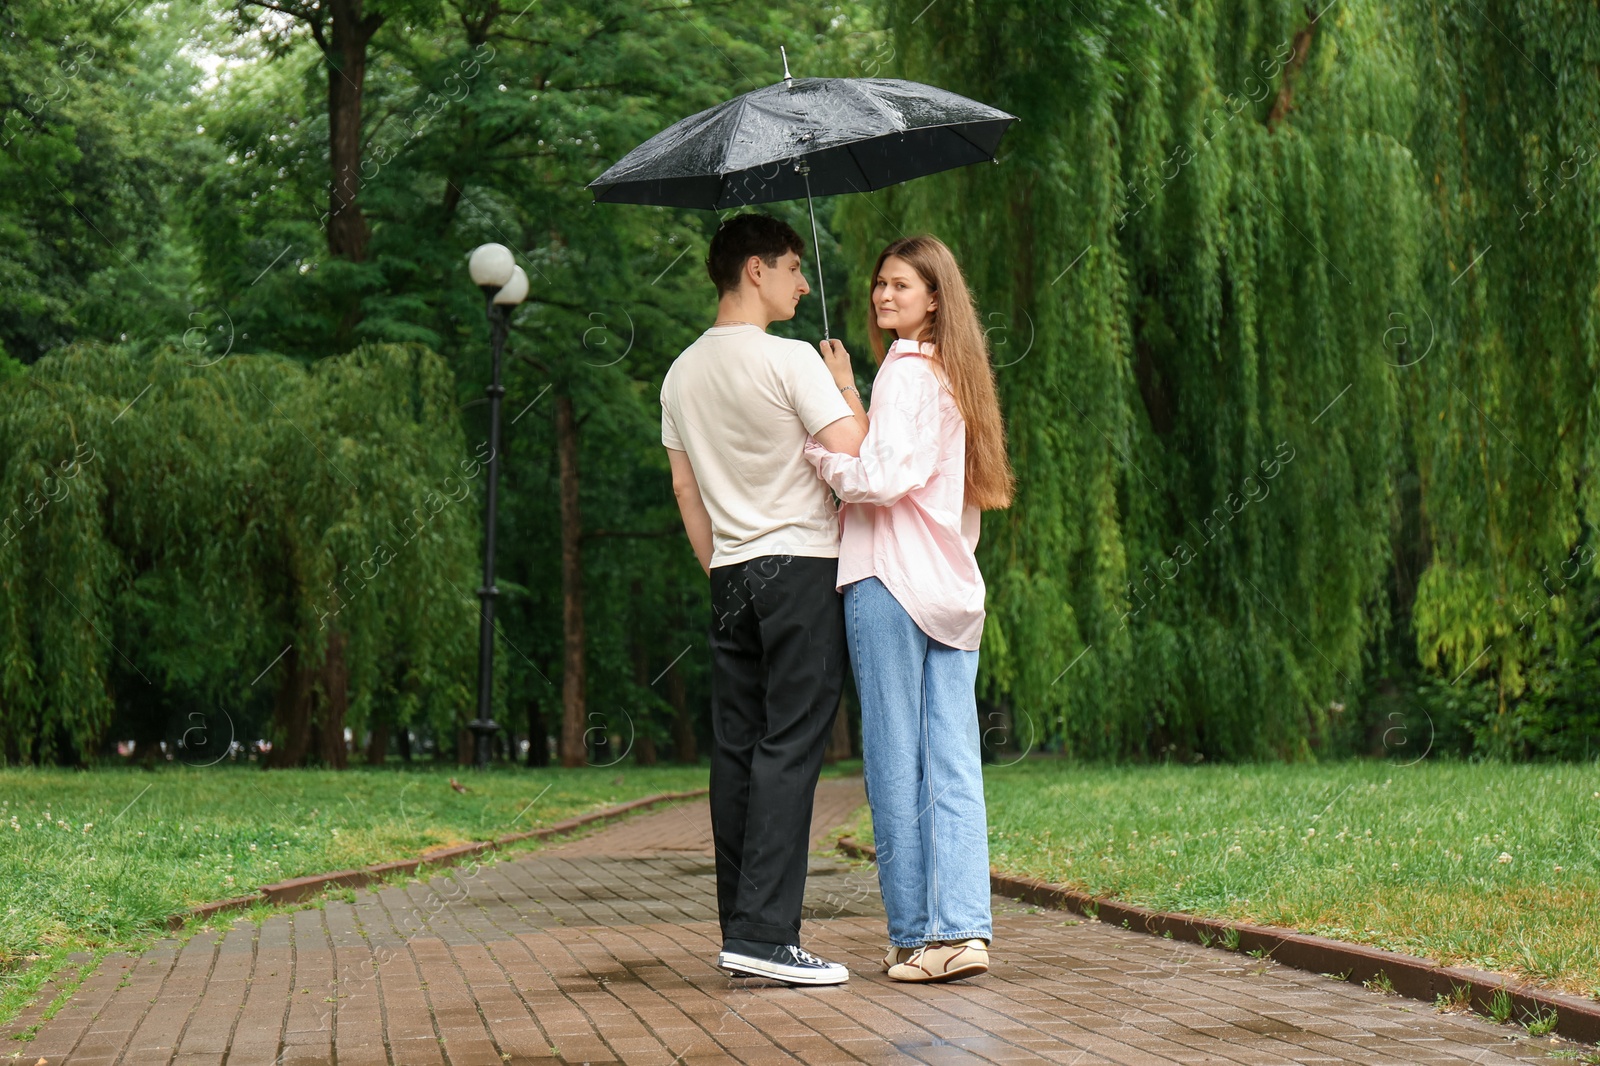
(745, 966)
(916, 975)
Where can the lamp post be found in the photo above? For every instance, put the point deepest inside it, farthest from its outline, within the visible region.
(504, 286)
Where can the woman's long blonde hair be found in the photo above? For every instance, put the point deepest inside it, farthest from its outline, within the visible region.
(963, 352)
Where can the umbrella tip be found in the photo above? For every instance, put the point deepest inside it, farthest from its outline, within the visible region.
(788, 79)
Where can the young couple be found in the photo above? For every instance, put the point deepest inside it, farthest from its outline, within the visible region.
(761, 435)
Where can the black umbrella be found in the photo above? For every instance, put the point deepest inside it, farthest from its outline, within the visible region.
(804, 137)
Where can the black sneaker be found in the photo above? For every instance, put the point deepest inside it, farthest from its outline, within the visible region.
(789, 963)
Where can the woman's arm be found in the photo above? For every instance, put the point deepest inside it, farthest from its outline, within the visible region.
(844, 434)
(838, 363)
(901, 449)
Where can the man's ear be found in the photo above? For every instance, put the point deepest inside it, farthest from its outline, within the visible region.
(753, 268)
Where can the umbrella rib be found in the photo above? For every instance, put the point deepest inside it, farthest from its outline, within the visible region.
(896, 119)
(956, 128)
(744, 102)
(851, 150)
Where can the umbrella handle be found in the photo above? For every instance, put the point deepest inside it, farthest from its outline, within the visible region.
(822, 289)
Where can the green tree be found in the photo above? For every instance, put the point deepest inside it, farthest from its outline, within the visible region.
(1188, 253)
(484, 124)
(1503, 432)
(91, 141)
(245, 532)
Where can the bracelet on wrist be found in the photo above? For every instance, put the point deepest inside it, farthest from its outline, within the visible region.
(850, 388)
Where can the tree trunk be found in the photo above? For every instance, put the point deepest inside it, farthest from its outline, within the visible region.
(644, 751)
(310, 707)
(573, 679)
(404, 737)
(333, 702)
(378, 745)
(683, 743)
(538, 740)
(65, 751)
(346, 57)
(643, 736)
(839, 739)
(1297, 59)
(291, 714)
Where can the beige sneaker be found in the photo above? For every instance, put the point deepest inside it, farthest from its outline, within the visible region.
(896, 956)
(944, 962)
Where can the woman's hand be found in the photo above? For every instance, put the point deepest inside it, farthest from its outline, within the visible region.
(838, 362)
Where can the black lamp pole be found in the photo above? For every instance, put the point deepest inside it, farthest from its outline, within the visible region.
(484, 726)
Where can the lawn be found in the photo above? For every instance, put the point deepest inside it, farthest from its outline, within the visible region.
(1486, 865)
(96, 861)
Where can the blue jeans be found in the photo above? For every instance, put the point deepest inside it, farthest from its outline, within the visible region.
(919, 739)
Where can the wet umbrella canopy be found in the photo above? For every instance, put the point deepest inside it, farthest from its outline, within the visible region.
(805, 137)
(854, 135)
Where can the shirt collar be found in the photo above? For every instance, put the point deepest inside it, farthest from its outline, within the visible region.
(903, 346)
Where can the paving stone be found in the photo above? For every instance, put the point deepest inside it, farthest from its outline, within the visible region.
(602, 950)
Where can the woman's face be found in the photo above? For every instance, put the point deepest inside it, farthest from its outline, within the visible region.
(901, 299)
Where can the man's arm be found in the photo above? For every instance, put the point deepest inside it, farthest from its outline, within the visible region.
(846, 434)
(696, 519)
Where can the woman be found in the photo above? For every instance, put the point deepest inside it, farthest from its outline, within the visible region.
(933, 457)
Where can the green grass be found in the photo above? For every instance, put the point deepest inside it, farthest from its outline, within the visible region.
(1485, 865)
(96, 861)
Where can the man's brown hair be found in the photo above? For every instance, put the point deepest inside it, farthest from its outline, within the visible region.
(742, 236)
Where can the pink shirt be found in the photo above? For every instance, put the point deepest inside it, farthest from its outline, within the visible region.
(905, 519)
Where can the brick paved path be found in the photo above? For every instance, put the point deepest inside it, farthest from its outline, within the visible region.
(601, 950)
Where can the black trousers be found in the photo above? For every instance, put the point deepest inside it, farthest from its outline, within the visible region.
(778, 659)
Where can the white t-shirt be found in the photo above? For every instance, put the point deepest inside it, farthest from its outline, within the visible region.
(741, 402)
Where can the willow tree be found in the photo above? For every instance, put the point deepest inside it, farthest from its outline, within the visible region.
(1187, 255)
(1503, 432)
(234, 530)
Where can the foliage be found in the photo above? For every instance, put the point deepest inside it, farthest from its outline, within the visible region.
(176, 527)
(1227, 347)
(90, 147)
(1291, 309)
(1558, 716)
(1201, 525)
(1502, 409)
(485, 127)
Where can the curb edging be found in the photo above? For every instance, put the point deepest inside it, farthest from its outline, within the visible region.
(1411, 976)
(298, 889)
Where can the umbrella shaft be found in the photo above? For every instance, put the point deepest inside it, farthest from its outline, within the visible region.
(822, 289)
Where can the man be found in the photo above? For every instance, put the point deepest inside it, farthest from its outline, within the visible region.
(736, 407)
